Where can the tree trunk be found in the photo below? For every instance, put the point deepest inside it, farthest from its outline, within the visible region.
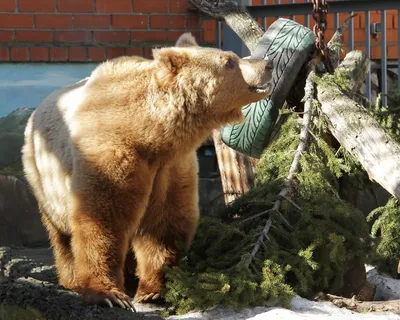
(356, 130)
(236, 169)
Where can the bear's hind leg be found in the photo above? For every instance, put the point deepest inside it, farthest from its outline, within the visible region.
(99, 251)
(64, 260)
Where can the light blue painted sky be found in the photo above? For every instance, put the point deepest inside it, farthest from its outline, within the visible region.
(26, 85)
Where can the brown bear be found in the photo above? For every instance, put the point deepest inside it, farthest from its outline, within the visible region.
(112, 161)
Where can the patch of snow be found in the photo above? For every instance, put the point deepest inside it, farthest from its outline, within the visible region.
(301, 309)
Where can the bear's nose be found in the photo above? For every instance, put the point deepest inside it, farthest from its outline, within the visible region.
(270, 63)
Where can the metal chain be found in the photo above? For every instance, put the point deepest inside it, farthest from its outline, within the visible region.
(320, 11)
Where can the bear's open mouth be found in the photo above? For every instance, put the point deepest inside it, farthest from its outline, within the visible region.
(262, 89)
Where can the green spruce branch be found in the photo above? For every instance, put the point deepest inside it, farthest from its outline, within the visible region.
(295, 167)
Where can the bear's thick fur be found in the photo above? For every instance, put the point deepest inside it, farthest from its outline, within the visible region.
(112, 161)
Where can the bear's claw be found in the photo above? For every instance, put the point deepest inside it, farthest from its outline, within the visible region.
(112, 299)
(147, 297)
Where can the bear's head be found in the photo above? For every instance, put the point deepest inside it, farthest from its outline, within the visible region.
(210, 81)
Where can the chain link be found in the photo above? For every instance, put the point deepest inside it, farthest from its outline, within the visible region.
(320, 11)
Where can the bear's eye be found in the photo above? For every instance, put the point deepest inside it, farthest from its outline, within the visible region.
(229, 64)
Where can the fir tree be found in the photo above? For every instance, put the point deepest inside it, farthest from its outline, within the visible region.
(306, 248)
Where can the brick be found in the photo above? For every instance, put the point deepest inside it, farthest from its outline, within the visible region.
(391, 35)
(4, 54)
(111, 36)
(209, 29)
(134, 52)
(39, 54)
(302, 20)
(113, 6)
(393, 51)
(150, 6)
(92, 21)
(36, 5)
(167, 22)
(144, 36)
(97, 54)
(77, 54)
(148, 53)
(174, 35)
(33, 36)
(115, 52)
(6, 35)
(75, 5)
(374, 16)
(16, 21)
(7, 5)
(358, 35)
(193, 22)
(125, 21)
(73, 36)
(58, 54)
(376, 52)
(19, 54)
(53, 21)
(396, 21)
(178, 6)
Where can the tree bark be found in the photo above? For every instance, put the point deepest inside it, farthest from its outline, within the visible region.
(235, 16)
(356, 130)
(236, 169)
(363, 306)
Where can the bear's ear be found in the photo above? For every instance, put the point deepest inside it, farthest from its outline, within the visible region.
(186, 40)
(170, 58)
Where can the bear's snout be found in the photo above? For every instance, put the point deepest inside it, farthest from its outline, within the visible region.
(257, 74)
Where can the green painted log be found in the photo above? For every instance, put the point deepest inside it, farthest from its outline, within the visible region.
(289, 45)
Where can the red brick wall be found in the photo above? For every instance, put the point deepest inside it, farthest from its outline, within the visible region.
(90, 30)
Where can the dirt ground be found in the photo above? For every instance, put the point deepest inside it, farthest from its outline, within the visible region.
(29, 290)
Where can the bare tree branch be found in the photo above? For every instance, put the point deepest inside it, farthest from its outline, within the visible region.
(295, 167)
(236, 17)
(336, 39)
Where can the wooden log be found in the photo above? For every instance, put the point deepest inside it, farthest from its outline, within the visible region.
(362, 306)
(356, 130)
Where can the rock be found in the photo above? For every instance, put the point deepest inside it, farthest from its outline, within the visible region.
(30, 288)
(387, 288)
(12, 129)
(20, 221)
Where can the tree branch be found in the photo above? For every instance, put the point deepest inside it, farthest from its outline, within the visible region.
(295, 167)
(336, 39)
(235, 16)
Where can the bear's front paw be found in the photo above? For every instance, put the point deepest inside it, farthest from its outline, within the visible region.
(110, 298)
(146, 297)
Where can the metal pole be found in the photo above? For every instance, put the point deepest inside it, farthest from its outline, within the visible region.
(351, 35)
(384, 59)
(398, 52)
(306, 18)
(368, 51)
